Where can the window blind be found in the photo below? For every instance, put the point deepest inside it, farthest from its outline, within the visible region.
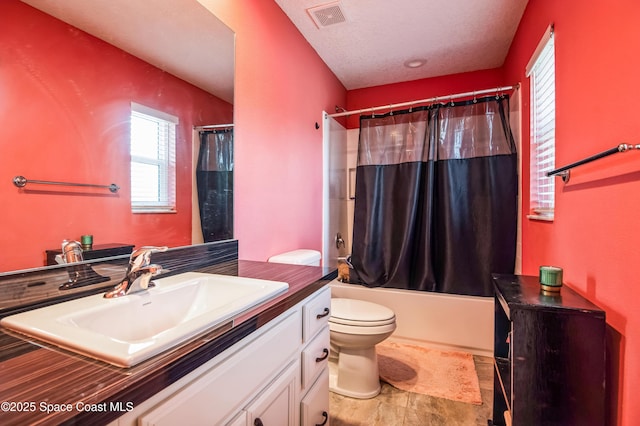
(153, 161)
(541, 72)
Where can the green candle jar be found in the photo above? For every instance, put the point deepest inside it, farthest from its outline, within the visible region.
(87, 242)
(550, 278)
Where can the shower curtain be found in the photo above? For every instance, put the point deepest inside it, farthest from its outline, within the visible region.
(214, 178)
(436, 198)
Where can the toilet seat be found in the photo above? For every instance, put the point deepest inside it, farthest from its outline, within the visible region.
(360, 313)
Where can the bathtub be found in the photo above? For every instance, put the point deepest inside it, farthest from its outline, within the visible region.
(440, 321)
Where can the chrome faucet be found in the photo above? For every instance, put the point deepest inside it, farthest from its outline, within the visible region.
(139, 272)
(80, 274)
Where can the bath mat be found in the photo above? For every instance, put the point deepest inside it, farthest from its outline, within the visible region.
(443, 374)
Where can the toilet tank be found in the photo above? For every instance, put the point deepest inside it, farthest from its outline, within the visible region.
(298, 257)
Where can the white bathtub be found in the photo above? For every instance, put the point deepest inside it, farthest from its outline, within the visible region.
(440, 321)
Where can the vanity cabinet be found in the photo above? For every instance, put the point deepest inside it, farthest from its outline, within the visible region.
(278, 375)
(549, 356)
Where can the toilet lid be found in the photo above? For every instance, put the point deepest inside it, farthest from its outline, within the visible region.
(360, 313)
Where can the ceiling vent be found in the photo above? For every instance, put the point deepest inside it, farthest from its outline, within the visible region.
(327, 14)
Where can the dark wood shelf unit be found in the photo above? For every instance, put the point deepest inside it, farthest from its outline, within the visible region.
(503, 374)
(549, 356)
(98, 251)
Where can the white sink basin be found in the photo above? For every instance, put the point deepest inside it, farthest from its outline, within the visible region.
(130, 329)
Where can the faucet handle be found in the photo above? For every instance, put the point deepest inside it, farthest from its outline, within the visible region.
(142, 257)
(146, 273)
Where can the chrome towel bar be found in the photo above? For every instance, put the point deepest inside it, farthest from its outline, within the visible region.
(21, 181)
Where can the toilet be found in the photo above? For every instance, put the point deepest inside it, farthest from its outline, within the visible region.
(355, 328)
(298, 257)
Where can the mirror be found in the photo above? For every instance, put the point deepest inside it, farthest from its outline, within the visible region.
(65, 101)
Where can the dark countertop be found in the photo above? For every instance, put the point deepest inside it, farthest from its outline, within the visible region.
(37, 376)
(523, 292)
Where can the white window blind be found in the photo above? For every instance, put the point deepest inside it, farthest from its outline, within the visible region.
(541, 73)
(153, 160)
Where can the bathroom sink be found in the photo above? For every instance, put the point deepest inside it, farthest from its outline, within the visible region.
(130, 329)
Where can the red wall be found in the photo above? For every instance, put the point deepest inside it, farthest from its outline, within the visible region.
(421, 89)
(282, 87)
(64, 116)
(595, 234)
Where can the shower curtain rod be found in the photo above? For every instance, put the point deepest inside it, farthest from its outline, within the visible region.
(212, 126)
(424, 101)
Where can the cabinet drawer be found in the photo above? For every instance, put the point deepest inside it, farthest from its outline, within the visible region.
(315, 357)
(316, 314)
(314, 407)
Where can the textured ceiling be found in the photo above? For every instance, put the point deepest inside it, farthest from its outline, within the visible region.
(180, 37)
(368, 49)
(379, 36)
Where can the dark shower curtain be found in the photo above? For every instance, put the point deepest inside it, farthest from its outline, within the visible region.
(214, 176)
(436, 198)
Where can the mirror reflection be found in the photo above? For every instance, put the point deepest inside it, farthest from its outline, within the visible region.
(214, 183)
(66, 108)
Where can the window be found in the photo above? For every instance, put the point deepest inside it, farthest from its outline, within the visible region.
(541, 73)
(153, 160)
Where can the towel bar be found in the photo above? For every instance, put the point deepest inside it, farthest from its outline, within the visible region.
(564, 172)
(21, 181)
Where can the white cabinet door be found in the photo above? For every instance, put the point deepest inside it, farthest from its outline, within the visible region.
(239, 420)
(224, 390)
(276, 406)
(315, 405)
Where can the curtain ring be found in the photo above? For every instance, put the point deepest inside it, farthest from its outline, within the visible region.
(475, 100)
(373, 113)
(390, 110)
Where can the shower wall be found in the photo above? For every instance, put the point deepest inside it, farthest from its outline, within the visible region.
(352, 161)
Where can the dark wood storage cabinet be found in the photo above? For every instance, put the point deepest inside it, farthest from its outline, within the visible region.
(549, 356)
(98, 251)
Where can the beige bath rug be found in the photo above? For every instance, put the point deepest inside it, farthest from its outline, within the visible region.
(450, 375)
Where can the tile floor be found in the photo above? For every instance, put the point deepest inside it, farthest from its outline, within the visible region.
(394, 407)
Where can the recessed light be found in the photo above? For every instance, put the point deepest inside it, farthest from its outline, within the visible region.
(415, 63)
